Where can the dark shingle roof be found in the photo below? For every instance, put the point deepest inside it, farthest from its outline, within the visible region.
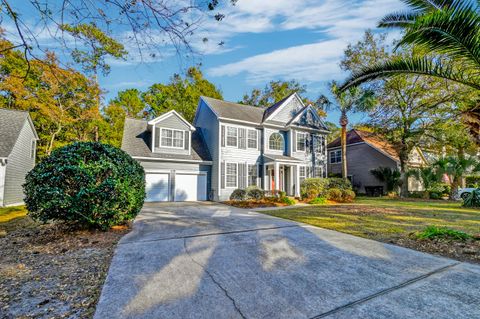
(235, 111)
(136, 141)
(11, 123)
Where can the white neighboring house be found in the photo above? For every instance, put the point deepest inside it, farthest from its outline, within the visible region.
(228, 146)
(18, 144)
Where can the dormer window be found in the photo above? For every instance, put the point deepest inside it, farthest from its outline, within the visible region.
(172, 138)
(276, 142)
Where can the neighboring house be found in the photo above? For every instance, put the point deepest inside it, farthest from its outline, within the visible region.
(367, 151)
(18, 143)
(229, 146)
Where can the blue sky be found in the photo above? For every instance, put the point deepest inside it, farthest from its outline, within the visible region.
(264, 40)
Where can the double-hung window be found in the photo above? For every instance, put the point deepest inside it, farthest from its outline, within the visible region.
(32, 151)
(172, 138)
(301, 141)
(252, 139)
(303, 173)
(252, 175)
(231, 175)
(319, 144)
(318, 171)
(335, 157)
(232, 136)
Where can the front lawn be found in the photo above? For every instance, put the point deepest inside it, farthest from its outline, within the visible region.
(397, 221)
(51, 271)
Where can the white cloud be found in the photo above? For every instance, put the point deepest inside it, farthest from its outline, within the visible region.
(338, 23)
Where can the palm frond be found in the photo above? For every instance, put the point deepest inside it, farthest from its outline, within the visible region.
(414, 66)
(398, 19)
(455, 34)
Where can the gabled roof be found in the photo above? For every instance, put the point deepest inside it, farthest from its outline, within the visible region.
(270, 110)
(11, 123)
(235, 111)
(136, 140)
(318, 124)
(167, 115)
(359, 136)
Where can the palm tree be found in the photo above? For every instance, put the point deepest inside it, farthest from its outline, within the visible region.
(353, 99)
(457, 168)
(391, 177)
(450, 31)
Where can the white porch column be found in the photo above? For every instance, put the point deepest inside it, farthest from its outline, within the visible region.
(277, 176)
(297, 180)
(291, 181)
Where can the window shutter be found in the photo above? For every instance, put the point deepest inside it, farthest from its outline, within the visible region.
(294, 141)
(243, 175)
(223, 136)
(259, 135)
(222, 180)
(157, 137)
(187, 140)
(242, 138)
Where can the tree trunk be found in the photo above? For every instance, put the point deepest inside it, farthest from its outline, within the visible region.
(343, 139)
(403, 156)
(52, 140)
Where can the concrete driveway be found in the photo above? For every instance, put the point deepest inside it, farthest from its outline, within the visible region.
(207, 260)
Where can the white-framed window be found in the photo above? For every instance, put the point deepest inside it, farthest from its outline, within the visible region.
(172, 138)
(303, 173)
(301, 141)
(252, 174)
(335, 156)
(275, 142)
(33, 150)
(319, 144)
(319, 171)
(231, 176)
(232, 136)
(252, 139)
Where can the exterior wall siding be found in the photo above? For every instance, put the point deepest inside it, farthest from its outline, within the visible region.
(247, 156)
(362, 158)
(288, 111)
(206, 121)
(19, 164)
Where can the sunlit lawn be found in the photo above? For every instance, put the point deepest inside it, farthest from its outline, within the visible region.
(384, 218)
(13, 217)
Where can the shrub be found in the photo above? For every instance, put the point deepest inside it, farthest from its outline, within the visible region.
(339, 183)
(473, 181)
(434, 196)
(416, 194)
(238, 194)
(90, 184)
(287, 200)
(433, 232)
(437, 189)
(334, 194)
(255, 193)
(473, 199)
(348, 195)
(282, 194)
(391, 177)
(318, 201)
(313, 187)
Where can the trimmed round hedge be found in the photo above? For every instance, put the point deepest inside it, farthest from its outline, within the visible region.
(88, 183)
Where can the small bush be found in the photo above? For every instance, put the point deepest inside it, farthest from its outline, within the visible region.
(348, 196)
(417, 194)
(287, 200)
(318, 201)
(282, 194)
(392, 195)
(334, 194)
(434, 196)
(313, 187)
(438, 189)
(339, 183)
(255, 193)
(473, 199)
(434, 232)
(238, 194)
(90, 184)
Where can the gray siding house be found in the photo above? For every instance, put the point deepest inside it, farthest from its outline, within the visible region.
(18, 142)
(367, 151)
(229, 146)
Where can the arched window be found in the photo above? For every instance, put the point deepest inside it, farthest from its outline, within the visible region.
(276, 142)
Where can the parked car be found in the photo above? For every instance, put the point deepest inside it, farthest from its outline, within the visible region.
(463, 193)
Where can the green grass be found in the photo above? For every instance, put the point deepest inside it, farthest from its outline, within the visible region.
(384, 218)
(433, 232)
(12, 218)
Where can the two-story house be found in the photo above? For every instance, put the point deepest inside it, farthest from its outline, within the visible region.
(229, 146)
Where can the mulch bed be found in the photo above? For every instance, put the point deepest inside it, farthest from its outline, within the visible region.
(51, 271)
(468, 250)
(253, 204)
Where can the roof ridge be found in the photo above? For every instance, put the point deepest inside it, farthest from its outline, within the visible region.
(14, 110)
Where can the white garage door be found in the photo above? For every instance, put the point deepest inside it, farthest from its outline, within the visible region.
(157, 187)
(190, 187)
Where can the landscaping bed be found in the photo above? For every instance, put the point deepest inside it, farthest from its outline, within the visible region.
(255, 203)
(398, 222)
(51, 270)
